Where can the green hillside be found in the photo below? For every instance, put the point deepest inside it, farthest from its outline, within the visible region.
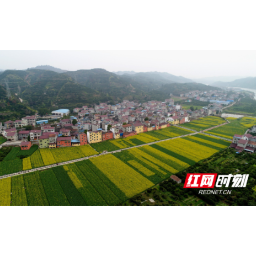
(38, 88)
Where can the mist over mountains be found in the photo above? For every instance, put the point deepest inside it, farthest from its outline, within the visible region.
(212, 80)
(249, 82)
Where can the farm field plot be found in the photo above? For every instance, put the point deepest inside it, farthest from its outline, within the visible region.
(204, 123)
(12, 154)
(7, 167)
(2, 140)
(236, 126)
(109, 179)
(139, 139)
(28, 152)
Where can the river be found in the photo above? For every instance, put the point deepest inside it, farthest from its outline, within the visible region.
(246, 89)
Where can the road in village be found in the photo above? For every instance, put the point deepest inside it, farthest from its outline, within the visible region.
(113, 152)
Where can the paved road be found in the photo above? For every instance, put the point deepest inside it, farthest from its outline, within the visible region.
(113, 152)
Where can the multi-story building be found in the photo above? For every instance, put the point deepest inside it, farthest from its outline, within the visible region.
(82, 138)
(63, 122)
(35, 134)
(63, 142)
(8, 130)
(48, 128)
(107, 135)
(44, 141)
(94, 136)
(65, 132)
(8, 124)
(20, 123)
(25, 145)
(138, 127)
(12, 136)
(127, 127)
(31, 120)
(23, 135)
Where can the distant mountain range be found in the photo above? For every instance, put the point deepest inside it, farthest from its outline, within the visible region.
(161, 77)
(249, 82)
(50, 68)
(212, 80)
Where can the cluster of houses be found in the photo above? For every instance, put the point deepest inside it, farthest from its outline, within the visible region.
(246, 142)
(102, 122)
(213, 96)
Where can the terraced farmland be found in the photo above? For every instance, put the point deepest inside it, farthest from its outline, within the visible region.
(236, 126)
(204, 123)
(108, 179)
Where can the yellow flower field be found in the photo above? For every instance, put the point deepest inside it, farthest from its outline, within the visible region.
(72, 175)
(124, 177)
(164, 155)
(147, 162)
(5, 192)
(47, 156)
(209, 142)
(141, 168)
(87, 150)
(188, 149)
(26, 163)
(136, 151)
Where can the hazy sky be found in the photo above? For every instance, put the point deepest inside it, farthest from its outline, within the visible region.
(191, 64)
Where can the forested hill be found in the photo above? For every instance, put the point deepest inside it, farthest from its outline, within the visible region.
(49, 68)
(158, 77)
(50, 90)
(249, 82)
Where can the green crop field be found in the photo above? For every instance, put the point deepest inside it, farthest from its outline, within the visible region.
(139, 139)
(204, 123)
(109, 179)
(2, 140)
(236, 126)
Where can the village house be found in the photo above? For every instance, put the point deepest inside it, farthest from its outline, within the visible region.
(63, 142)
(8, 124)
(47, 128)
(25, 145)
(82, 138)
(35, 134)
(64, 121)
(107, 135)
(176, 179)
(126, 127)
(20, 123)
(65, 132)
(23, 135)
(12, 136)
(31, 120)
(138, 127)
(94, 136)
(8, 131)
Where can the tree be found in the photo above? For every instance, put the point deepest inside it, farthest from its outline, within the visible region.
(146, 119)
(192, 108)
(124, 123)
(43, 111)
(109, 126)
(28, 127)
(85, 131)
(74, 122)
(28, 137)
